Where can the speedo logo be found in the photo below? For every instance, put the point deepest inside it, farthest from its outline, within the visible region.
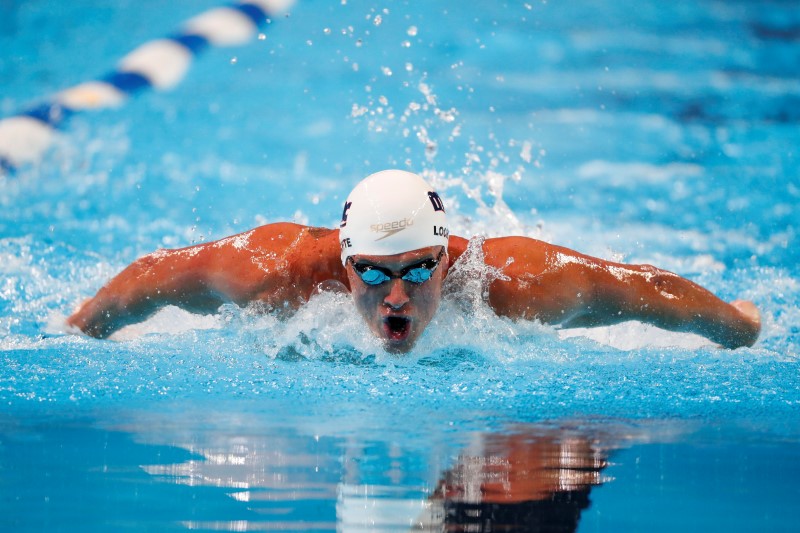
(390, 228)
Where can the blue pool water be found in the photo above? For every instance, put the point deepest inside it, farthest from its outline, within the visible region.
(636, 131)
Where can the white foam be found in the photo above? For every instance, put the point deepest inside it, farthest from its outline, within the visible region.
(635, 335)
(169, 320)
(327, 323)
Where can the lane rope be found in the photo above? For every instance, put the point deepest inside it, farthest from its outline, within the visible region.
(159, 64)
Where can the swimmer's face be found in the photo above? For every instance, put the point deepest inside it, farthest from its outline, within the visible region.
(398, 311)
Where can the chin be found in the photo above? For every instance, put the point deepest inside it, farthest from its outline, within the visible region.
(398, 347)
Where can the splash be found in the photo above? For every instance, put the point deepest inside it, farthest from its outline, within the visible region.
(403, 110)
(327, 328)
(468, 281)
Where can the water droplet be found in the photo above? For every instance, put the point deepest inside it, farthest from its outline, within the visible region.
(377, 21)
(412, 31)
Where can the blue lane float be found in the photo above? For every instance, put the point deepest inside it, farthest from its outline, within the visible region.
(159, 64)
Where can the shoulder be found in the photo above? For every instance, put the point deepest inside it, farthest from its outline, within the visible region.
(277, 231)
(278, 242)
(498, 250)
(306, 251)
(285, 235)
(522, 251)
(517, 255)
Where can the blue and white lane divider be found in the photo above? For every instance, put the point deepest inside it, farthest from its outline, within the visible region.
(159, 64)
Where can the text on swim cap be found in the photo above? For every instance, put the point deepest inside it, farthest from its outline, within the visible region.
(441, 231)
(390, 228)
(436, 201)
(344, 214)
(345, 243)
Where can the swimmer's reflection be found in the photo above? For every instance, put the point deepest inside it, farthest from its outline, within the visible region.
(530, 480)
(521, 482)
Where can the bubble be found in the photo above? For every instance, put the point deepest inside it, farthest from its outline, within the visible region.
(525, 153)
(358, 111)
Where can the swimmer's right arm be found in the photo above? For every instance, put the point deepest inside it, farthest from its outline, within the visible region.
(260, 265)
(165, 277)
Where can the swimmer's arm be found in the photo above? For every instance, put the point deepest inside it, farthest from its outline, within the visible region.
(165, 277)
(254, 266)
(560, 286)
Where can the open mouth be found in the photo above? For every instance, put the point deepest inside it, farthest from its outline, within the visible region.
(396, 328)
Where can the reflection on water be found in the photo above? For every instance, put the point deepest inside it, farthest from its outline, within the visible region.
(160, 470)
(285, 481)
(528, 478)
(525, 481)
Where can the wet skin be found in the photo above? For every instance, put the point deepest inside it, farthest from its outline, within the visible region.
(282, 265)
(398, 311)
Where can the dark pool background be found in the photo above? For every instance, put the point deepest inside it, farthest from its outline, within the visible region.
(638, 131)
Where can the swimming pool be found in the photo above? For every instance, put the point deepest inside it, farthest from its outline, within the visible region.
(636, 131)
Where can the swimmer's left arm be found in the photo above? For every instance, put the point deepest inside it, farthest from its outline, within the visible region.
(560, 286)
(664, 299)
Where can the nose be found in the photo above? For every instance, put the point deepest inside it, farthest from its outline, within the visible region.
(397, 296)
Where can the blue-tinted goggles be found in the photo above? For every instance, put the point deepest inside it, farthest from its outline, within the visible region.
(416, 273)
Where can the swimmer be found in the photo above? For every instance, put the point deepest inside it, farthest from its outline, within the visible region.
(392, 252)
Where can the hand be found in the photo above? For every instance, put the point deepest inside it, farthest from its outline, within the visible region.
(749, 310)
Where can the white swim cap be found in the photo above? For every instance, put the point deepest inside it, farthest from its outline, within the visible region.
(392, 212)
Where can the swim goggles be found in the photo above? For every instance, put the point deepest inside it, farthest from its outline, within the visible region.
(417, 273)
